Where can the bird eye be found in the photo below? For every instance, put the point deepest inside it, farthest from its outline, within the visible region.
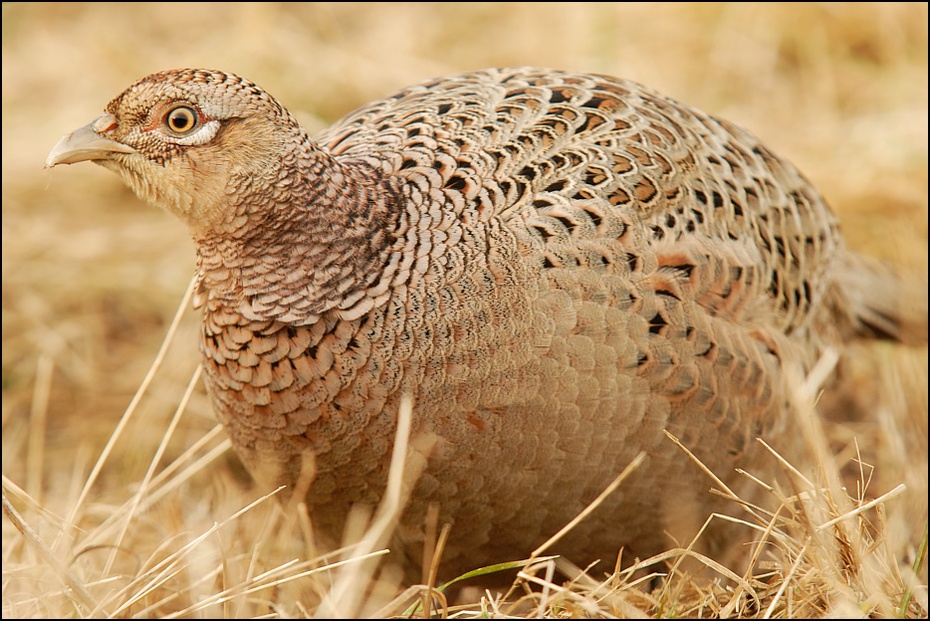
(181, 120)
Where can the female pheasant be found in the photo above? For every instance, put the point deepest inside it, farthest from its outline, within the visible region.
(555, 266)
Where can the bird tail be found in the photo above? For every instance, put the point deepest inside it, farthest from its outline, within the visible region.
(882, 302)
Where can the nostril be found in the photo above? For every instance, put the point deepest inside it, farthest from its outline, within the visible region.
(105, 123)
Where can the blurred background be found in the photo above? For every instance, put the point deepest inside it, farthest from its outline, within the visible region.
(92, 276)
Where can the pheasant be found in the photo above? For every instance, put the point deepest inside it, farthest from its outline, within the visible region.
(556, 267)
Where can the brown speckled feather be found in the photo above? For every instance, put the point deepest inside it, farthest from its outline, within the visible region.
(556, 266)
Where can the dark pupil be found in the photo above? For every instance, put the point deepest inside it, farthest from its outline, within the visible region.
(180, 120)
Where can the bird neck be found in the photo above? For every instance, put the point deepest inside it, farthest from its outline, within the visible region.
(313, 236)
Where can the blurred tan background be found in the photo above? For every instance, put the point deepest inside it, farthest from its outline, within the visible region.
(92, 277)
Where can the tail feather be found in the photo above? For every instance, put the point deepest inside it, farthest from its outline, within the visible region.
(881, 302)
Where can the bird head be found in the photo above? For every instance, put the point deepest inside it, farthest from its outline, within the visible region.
(188, 140)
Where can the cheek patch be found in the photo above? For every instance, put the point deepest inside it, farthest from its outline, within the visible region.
(202, 136)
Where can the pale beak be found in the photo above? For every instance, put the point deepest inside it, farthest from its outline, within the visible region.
(86, 144)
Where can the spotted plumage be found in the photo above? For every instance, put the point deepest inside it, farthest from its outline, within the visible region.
(556, 267)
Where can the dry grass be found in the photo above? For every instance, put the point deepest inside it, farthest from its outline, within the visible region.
(168, 525)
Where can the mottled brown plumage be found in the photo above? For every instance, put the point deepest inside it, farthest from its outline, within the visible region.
(556, 266)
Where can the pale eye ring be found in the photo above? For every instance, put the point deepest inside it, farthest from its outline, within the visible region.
(182, 120)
